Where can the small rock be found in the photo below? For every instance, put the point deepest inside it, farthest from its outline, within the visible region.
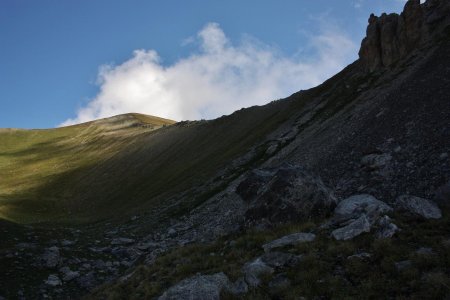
(362, 255)
(289, 240)
(87, 281)
(425, 251)
(386, 228)
(253, 270)
(418, 207)
(353, 229)
(443, 156)
(279, 259)
(272, 149)
(198, 287)
(71, 275)
(240, 287)
(376, 161)
(53, 280)
(66, 243)
(403, 265)
(51, 257)
(122, 241)
(172, 232)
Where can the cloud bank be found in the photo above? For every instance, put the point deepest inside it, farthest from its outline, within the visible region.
(218, 78)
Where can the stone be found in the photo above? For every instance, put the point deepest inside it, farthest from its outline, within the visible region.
(443, 156)
(51, 257)
(68, 274)
(386, 228)
(254, 270)
(240, 287)
(356, 205)
(280, 259)
(87, 281)
(362, 255)
(376, 161)
(417, 207)
(172, 232)
(425, 251)
(198, 287)
(403, 265)
(284, 194)
(289, 240)
(66, 243)
(353, 229)
(53, 280)
(122, 241)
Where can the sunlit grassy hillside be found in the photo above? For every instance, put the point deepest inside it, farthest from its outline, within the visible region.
(115, 166)
(31, 159)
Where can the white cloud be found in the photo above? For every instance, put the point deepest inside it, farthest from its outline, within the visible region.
(218, 79)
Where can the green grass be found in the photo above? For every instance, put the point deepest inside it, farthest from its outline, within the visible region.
(32, 159)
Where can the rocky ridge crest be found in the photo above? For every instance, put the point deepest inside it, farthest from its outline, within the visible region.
(392, 37)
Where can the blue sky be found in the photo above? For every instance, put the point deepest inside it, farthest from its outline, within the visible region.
(63, 62)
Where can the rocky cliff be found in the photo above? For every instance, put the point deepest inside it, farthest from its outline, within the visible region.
(392, 37)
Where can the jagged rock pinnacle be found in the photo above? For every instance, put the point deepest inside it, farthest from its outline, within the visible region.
(392, 37)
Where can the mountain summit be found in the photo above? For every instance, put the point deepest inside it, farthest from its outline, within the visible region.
(340, 191)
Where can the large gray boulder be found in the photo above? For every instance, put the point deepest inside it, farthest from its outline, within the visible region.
(198, 287)
(284, 194)
(353, 207)
(418, 207)
(289, 240)
(353, 229)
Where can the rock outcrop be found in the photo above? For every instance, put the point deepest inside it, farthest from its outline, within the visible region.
(360, 213)
(391, 37)
(284, 194)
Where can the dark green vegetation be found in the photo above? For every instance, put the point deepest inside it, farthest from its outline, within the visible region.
(326, 269)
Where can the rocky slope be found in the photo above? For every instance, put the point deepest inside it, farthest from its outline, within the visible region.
(341, 191)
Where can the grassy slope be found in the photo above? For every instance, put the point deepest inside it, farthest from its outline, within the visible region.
(90, 171)
(30, 159)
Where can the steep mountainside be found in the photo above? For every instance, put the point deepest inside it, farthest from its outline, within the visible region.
(340, 191)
